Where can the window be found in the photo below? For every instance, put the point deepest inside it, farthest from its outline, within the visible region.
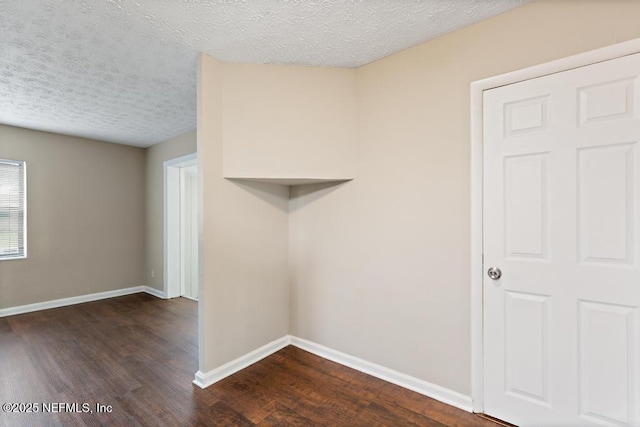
(13, 224)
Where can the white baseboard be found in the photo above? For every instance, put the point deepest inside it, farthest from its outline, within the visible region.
(205, 379)
(12, 311)
(442, 394)
(428, 389)
(155, 292)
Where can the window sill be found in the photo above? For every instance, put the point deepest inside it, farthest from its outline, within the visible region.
(11, 258)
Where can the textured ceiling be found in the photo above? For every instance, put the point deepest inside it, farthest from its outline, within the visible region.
(124, 70)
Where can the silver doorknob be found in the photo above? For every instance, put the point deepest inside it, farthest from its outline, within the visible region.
(494, 273)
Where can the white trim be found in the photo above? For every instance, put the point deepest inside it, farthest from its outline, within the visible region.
(45, 305)
(172, 288)
(187, 198)
(205, 379)
(428, 389)
(155, 292)
(186, 160)
(25, 212)
(442, 394)
(181, 226)
(25, 218)
(477, 274)
(172, 245)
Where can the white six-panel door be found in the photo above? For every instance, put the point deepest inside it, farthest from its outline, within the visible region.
(561, 209)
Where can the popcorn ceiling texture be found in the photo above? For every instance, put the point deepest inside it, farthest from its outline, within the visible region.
(124, 70)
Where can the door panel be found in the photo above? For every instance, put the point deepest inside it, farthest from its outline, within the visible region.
(605, 203)
(527, 346)
(526, 116)
(526, 204)
(606, 350)
(606, 101)
(561, 209)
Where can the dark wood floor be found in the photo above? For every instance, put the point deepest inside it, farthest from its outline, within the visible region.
(138, 354)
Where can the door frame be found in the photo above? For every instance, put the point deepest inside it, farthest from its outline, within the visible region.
(477, 268)
(172, 223)
(183, 221)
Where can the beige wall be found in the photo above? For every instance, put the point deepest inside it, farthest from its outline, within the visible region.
(288, 121)
(381, 265)
(244, 298)
(85, 202)
(155, 157)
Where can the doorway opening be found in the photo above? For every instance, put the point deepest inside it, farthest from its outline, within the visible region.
(181, 227)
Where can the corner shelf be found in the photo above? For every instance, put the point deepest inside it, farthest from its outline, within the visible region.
(290, 181)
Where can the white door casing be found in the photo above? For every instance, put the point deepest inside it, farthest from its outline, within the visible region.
(561, 208)
(189, 231)
(172, 223)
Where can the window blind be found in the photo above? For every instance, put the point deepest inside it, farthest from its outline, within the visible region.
(12, 209)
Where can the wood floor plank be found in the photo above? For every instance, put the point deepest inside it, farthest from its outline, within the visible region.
(138, 354)
(283, 416)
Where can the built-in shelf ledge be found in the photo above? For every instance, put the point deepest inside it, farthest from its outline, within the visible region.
(291, 181)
